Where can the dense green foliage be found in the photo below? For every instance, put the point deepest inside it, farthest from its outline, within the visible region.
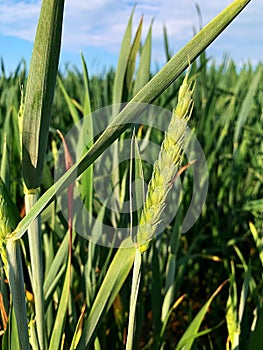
(59, 290)
(227, 119)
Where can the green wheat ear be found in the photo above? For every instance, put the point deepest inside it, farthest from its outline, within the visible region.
(166, 167)
(9, 218)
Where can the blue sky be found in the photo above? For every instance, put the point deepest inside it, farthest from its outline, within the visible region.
(96, 28)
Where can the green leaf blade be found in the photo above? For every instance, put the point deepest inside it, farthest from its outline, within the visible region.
(40, 91)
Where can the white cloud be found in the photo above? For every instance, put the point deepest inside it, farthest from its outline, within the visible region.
(19, 19)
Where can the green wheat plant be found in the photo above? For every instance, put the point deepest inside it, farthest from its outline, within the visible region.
(60, 291)
(163, 176)
(12, 263)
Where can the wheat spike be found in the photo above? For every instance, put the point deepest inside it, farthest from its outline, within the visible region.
(166, 167)
(9, 218)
